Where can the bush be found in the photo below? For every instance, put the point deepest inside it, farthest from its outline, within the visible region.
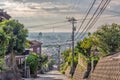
(32, 62)
(50, 64)
(63, 67)
(2, 66)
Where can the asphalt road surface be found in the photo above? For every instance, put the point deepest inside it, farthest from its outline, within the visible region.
(52, 75)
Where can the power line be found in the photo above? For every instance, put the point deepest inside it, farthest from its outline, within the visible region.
(59, 26)
(63, 26)
(83, 16)
(69, 40)
(86, 16)
(97, 17)
(92, 23)
(47, 24)
(92, 16)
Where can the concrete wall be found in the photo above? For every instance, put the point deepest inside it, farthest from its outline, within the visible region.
(108, 68)
(67, 72)
(9, 75)
(80, 69)
(79, 73)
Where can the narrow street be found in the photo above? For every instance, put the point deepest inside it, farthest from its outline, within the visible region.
(52, 75)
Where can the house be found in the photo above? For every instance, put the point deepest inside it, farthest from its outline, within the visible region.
(36, 47)
(4, 15)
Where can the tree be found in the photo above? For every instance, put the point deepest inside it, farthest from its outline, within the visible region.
(3, 43)
(87, 47)
(17, 35)
(17, 39)
(109, 38)
(84, 47)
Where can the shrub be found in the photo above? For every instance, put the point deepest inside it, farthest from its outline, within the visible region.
(2, 66)
(32, 62)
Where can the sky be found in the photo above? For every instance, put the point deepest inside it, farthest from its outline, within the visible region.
(35, 14)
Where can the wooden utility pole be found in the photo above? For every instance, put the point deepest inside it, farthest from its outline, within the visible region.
(73, 21)
(58, 57)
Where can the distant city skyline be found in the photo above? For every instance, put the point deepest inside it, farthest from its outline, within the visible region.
(33, 13)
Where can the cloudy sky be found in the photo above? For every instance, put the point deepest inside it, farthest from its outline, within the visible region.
(35, 14)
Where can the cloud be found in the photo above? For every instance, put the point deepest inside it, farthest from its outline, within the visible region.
(15, 8)
(19, 8)
(115, 2)
(45, 7)
(35, 12)
(114, 5)
(2, 4)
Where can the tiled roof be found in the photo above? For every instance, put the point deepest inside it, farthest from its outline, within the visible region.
(35, 43)
(4, 14)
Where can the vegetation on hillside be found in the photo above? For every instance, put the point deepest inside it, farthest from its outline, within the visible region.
(67, 58)
(109, 38)
(102, 42)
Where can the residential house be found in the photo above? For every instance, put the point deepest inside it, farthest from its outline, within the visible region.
(4, 15)
(36, 47)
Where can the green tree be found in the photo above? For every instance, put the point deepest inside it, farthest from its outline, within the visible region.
(109, 38)
(3, 48)
(87, 47)
(3, 43)
(17, 37)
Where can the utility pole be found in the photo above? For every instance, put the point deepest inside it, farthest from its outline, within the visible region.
(73, 21)
(58, 57)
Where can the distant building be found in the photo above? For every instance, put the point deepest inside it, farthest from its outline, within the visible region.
(4, 15)
(36, 46)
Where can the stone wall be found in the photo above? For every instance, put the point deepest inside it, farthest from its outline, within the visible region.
(67, 72)
(9, 75)
(80, 69)
(108, 68)
(79, 73)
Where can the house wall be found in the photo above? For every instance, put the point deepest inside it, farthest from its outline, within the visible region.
(37, 49)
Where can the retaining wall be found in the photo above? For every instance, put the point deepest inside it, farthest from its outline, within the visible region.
(80, 69)
(67, 72)
(108, 68)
